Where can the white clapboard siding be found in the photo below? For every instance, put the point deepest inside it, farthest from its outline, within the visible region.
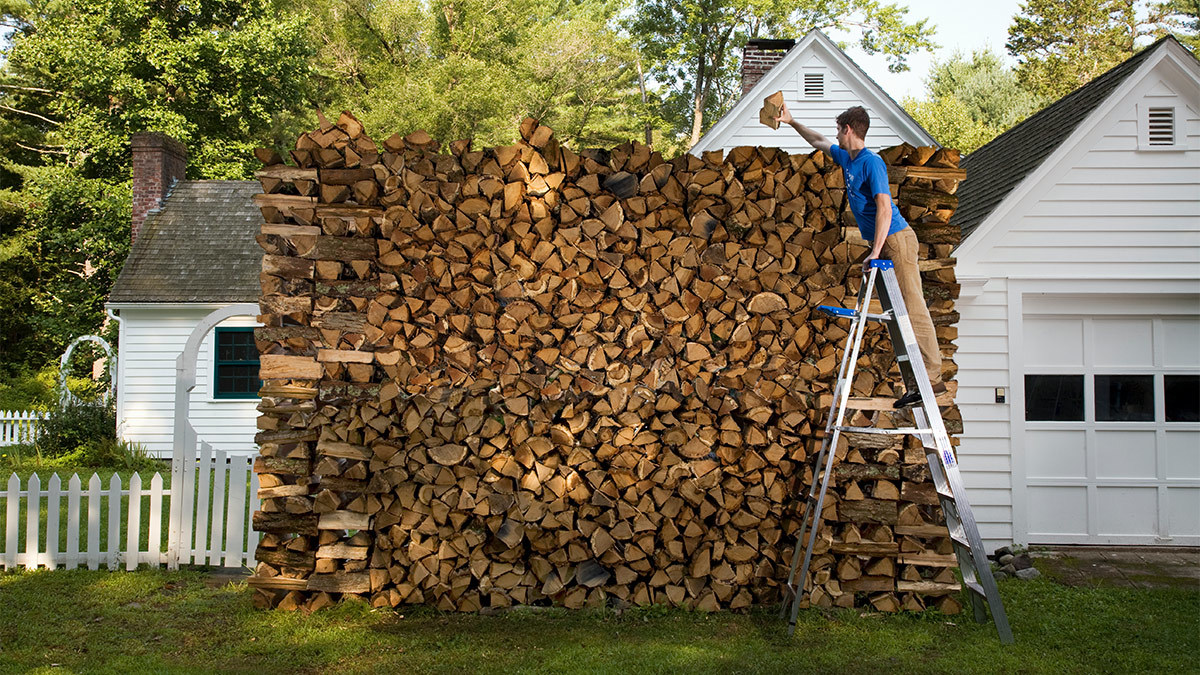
(225, 539)
(1107, 202)
(151, 339)
(985, 453)
(19, 426)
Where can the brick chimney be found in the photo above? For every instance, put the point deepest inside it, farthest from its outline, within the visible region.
(758, 57)
(158, 162)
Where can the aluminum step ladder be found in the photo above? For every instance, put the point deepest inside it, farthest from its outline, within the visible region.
(879, 275)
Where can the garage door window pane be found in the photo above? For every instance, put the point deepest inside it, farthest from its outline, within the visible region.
(1124, 398)
(1182, 397)
(1054, 398)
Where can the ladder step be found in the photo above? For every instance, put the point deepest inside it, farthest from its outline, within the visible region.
(884, 403)
(886, 432)
(975, 588)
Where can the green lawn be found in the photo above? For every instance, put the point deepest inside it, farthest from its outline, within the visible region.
(151, 621)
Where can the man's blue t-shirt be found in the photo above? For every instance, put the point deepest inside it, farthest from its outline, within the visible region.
(866, 176)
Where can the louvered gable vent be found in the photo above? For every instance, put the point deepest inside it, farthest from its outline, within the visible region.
(1161, 126)
(814, 85)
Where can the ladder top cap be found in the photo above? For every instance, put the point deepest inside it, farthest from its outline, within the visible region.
(879, 264)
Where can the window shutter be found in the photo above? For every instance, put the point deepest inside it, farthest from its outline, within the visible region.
(814, 85)
(1161, 123)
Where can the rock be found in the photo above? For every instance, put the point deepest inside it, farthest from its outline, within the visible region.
(1028, 573)
(1000, 575)
(1008, 569)
(1001, 552)
(1021, 562)
(1005, 559)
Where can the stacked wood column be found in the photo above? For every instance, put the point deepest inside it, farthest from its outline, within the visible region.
(526, 375)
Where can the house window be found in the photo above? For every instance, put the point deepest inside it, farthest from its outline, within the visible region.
(235, 374)
(814, 85)
(1160, 126)
(1054, 398)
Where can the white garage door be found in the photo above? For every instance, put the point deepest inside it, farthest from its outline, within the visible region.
(1112, 427)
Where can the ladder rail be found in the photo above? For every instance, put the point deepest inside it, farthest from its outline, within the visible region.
(929, 427)
(813, 508)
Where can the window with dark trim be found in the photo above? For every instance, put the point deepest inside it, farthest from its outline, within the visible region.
(1054, 398)
(1181, 394)
(1124, 398)
(235, 373)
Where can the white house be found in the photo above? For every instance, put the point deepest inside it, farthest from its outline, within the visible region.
(818, 82)
(1079, 338)
(193, 251)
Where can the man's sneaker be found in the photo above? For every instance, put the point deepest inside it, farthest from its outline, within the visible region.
(912, 397)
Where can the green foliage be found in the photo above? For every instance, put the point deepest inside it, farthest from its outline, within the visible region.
(690, 46)
(29, 390)
(1063, 44)
(987, 89)
(971, 101)
(213, 73)
(475, 68)
(60, 253)
(949, 121)
(77, 78)
(83, 427)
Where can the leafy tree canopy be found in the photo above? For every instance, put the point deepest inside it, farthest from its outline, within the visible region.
(1063, 44)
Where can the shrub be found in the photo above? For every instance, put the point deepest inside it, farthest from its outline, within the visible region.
(75, 425)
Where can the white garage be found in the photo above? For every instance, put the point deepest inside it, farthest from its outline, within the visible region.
(1079, 330)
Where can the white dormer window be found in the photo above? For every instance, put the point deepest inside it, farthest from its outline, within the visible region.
(1158, 128)
(813, 85)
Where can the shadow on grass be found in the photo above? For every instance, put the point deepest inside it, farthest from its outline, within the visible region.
(174, 621)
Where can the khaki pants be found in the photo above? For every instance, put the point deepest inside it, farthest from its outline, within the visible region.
(901, 249)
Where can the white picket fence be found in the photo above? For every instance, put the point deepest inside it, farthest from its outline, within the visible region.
(19, 426)
(217, 496)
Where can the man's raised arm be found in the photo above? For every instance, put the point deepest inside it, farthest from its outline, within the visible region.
(814, 138)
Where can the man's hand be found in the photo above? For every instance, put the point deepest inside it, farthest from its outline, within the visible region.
(785, 117)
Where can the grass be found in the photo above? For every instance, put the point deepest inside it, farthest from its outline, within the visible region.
(152, 621)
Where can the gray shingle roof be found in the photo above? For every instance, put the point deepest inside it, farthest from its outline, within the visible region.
(199, 247)
(998, 167)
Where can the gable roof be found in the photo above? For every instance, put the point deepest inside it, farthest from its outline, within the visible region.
(994, 170)
(198, 247)
(747, 106)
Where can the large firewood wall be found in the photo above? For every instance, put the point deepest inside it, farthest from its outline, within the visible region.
(526, 375)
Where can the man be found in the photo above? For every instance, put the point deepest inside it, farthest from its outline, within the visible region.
(881, 224)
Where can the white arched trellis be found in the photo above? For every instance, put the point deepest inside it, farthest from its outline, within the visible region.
(64, 394)
(183, 437)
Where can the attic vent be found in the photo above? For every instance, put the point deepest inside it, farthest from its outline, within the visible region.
(814, 85)
(1162, 126)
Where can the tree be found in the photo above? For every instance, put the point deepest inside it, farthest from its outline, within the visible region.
(475, 68)
(216, 74)
(1060, 45)
(949, 121)
(690, 44)
(989, 91)
(77, 78)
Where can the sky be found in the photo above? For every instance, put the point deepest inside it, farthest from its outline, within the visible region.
(964, 25)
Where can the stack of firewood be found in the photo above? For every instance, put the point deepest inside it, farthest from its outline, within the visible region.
(524, 375)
